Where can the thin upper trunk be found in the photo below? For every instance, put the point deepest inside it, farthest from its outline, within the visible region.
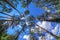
(19, 33)
(55, 20)
(50, 20)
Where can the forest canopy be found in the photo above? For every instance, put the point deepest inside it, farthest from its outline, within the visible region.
(26, 20)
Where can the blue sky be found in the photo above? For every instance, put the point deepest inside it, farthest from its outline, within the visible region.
(32, 8)
(33, 11)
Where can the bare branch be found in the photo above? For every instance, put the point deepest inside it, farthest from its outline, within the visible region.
(5, 14)
(4, 17)
(48, 32)
(20, 32)
(11, 5)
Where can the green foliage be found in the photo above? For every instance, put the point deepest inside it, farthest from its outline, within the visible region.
(58, 38)
(26, 12)
(1, 29)
(25, 3)
(6, 7)
(7, 37)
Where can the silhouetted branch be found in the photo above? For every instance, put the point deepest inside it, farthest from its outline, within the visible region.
(49, 19)
(4, 17)
(11, 5)
(8, 20)
(48, 32)
(55, 20)
(5, 14)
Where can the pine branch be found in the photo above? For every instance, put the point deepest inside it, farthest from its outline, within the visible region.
(11, 5)
(5, 14)
(4, 17)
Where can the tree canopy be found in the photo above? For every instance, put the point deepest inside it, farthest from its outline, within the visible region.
(25, 19)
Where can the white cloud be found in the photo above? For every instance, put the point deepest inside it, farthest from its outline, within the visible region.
(26, 37)
(48, 10)
(47, 25)
(27, 23)
(49, 37)
(22, 18)
(44, 24)
(19, 26)
(56, 29)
